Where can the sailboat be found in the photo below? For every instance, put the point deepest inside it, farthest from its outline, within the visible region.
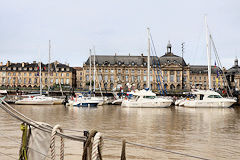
(88, 101)
(36, 100)
(41, 99)
(146, 98)
(207, 98)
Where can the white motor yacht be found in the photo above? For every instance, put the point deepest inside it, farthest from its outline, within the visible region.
(146, 99)
(207, 99)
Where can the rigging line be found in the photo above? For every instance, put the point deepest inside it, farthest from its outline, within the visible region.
(10, 110)
(218, 59)
(165, 90)
(158, 149)
(5, 136)
(8, 155)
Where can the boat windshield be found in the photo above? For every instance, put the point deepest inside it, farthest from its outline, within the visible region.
(149, 97)
(214, 96)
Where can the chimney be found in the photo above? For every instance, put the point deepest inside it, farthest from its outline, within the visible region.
(142, 54)
(8, 63)
(23, 64)
(34, 62)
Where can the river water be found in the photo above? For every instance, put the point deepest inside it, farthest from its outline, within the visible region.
(207, 133)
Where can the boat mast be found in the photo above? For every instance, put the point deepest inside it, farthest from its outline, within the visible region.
(208, 54)
(90, 71)
(40, 77)
(148, 66)
(49, 66)
(94, 70)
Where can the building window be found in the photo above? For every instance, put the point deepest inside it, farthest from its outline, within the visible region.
(126, 70)
(133, 78)
(9, 80)
(132, 70)
(87, 77)
(4, 73)
(119, 78)
(112, 70)
(51, 80)
(165, 79)
(19, 80)
(184, 78)
(87, 71)
(99, 77)
(184, 72)
(139, 71)
(46, 80)
(119, 70)
(14, 73)
(29, 81)
(35, 81)
(145, 72)
(19, 74)
(9, 73)
(151, 78)
(51, 74)
(178, 78)
(126, 78)
(106, 78)
(67, 81)
(99, 71)
(165, 72)
(62, 81)
(205, 78)
(200, 78)
(190, 78)
(214, 78)
(30, 74)
(138, 78)
(57, 81)
(150, 71)
(67, 74)
(24, 80)
(111, 78)
(144, 78)
(3, 80)
(171, 76)
(25, 74)
(178, 72)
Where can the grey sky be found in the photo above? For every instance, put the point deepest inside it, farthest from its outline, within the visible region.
(116, 26)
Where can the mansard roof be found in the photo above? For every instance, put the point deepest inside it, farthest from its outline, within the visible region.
(120, 60)
(201, 69)
(234, 70)
(172, 58)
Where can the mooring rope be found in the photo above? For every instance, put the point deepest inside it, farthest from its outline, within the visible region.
(14, 113)
(97, 147)
(52, 145)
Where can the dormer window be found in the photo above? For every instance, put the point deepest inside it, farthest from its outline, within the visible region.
(174, 61)
(25, 68)
(168, 61)
(132, 63)
(4, 68)
(20, 68)
(68, 69)
(145, 63)
(9, 68)
(30, 69)
(14, 68)
(62, 69)
(57, 69)
(106, 62)
(119, 63)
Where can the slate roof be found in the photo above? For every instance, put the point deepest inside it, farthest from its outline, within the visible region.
(201, 69)
(33, 65)
(172, 58)
(136, 60)
(234, 70)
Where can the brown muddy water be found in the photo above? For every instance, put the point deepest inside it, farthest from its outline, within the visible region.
(207, 133)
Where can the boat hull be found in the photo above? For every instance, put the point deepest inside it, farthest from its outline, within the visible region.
(34, 102)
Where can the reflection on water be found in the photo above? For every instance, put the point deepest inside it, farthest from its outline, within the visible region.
(210, 132)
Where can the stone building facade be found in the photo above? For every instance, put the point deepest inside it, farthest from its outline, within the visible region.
(233, 76)
(173, 74)
(79, 77)
(27, 75)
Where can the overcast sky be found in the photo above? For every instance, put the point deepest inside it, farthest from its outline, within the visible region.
(116, 26)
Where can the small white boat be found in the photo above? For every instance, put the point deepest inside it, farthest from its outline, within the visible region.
(146, 99)
(117, 101)
(207, 99)
(35, 100)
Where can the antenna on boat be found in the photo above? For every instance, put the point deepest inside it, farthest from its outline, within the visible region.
(208, 54)
(148, 66)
